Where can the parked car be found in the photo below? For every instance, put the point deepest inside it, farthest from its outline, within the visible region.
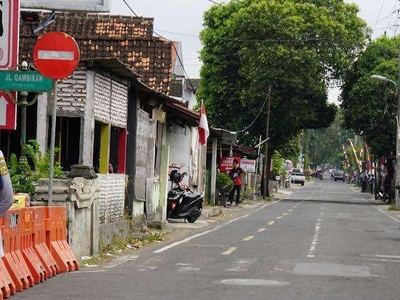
(338, 175)
(298, 177)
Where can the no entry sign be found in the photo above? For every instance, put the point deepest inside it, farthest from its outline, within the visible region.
(56, 55)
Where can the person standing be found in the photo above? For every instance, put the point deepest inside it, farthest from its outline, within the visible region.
(236, 175)
(6, 193)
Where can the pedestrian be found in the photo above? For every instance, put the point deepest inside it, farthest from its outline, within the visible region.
(372, 184)
(236, 175)
(6, 193)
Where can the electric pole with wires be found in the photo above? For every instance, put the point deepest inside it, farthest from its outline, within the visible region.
(266, 171)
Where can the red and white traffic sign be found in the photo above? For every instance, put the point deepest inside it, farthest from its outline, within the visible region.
(56, 55)
(9, 32)
(7, 112)
(9, 37)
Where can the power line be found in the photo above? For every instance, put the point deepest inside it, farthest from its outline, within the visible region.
(215, 2)
(259, 112)
(379, 15)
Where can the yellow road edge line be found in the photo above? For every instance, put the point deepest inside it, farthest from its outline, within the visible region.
(290, 210)
(284, 214)
(229, 251)
(246, 239)
(261, 230)
(271, 223)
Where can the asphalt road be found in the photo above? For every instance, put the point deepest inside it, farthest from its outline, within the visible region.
(323, 241)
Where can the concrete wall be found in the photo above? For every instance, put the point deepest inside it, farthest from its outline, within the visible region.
(179, 139)
(111, 101)
(80, 197)
(112, 197)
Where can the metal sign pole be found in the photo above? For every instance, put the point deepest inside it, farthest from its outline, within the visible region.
(52, 143)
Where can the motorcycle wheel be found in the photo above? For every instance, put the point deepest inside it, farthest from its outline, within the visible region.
(193, 217)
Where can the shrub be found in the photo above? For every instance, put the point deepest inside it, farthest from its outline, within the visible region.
(23, 176)
(223, 181)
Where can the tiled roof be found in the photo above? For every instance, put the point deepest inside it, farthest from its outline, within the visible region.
(102, 36)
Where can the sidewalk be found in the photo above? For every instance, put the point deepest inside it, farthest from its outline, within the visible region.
(378, 204)
(244, 207)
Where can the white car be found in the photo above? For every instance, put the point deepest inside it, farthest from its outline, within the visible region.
(298, 177)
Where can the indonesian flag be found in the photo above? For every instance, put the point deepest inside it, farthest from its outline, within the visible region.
(204, 132)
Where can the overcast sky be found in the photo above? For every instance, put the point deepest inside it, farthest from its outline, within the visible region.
(181, 20)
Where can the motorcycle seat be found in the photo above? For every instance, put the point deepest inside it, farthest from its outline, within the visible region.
(193, 196)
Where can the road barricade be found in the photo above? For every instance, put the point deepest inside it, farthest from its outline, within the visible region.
(13, 257)
(41, 248)
(7, 286)
(56, 227)
(28, 240)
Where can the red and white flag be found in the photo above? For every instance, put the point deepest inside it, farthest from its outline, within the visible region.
(204, 131)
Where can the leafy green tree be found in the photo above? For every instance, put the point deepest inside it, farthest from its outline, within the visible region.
(295, 47)
(370, 105)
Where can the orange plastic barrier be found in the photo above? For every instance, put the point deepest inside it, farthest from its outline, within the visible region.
(27, 237)
(13, 257)
(7, 286)
(41, 249)
(57, 232)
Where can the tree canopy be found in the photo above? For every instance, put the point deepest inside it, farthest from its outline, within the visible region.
(369, 105)
(293, 46)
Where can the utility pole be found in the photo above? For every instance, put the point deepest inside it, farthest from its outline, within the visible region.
(397, 179)
(266, 173)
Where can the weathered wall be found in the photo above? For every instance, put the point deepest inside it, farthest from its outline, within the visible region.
(112, 197)
(80, 197)
(179, 140)
(142, 148)
(111, 101)
(71, 94)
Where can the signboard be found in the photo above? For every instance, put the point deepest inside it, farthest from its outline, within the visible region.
(7, 112)
(24, 81)
(9, 37)
(248, 165)
(226, 163)
(9, 31)
(68, 5)
(56, 55)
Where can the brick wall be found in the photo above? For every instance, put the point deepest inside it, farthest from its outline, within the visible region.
(71, 94)
(111, 101)
(112, 197)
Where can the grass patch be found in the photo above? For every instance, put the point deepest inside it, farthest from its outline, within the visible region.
(393, 208)
(135, 240)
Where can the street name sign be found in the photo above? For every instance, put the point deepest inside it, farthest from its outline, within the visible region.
(56, 55)
(9, 37)
(24, 81)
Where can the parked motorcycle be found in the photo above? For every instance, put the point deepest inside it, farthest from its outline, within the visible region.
(182, 201)
(382, 195)
(320, 176)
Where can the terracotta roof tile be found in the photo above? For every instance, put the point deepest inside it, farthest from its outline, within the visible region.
(102, 36)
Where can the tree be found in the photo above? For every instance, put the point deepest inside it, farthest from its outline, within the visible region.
(295, 47)
(370, 105)
(324, 146)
